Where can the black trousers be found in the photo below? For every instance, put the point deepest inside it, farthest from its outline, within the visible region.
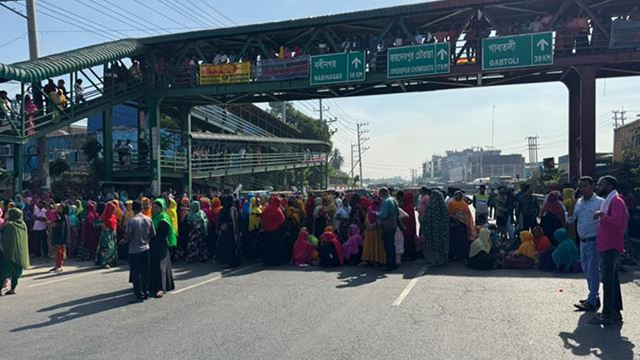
(612, 303)
(139, 267)
(40, 238)
(389, 237)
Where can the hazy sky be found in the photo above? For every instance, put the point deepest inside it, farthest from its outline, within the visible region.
(405, 129)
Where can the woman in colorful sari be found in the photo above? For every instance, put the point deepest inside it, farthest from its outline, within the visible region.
(353, 246)
(373, 248)
(479, 252)
(330, 249)
(90, 234)
(229, 235)
(14, 249)
(436, 247)
(320, 217)
(566, 255)
(160, 271)
(106, 254)
(212, 239)
(462, 230)
(74, 231)
(198, 249)
(293, 223)
(273, 219)
(253, 229)
(410, 227)
(552, 215)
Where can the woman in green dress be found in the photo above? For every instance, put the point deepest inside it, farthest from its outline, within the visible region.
(14, 249)
(436, 247)
(160, 271)
(107, 254)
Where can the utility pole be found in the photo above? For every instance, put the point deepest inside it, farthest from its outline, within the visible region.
(618, 121)
(361, 149)
(321, 110)
(354, 147)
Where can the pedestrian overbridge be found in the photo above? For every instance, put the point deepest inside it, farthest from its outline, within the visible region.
(448, 44)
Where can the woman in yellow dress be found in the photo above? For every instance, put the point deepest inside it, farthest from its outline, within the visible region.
(373, 248)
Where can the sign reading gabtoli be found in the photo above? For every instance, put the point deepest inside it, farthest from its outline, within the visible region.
(418, 60)
(225, 73)
(337, 68)
(516, 51)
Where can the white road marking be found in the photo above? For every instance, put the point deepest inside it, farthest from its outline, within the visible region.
(409, 287)
(215, 278)
(68, 277)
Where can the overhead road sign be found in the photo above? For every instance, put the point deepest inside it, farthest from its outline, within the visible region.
(517, 51)
(418, 60)
(337, 68)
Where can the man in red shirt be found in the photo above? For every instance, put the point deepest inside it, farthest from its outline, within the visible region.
(613, 217)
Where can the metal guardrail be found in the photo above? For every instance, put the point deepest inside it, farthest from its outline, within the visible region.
(217, 116)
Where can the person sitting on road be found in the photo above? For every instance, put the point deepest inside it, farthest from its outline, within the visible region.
(330, 249)
(479, 252)
(525, 257)
(566, 255)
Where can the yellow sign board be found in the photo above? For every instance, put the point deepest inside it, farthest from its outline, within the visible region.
(225, 73)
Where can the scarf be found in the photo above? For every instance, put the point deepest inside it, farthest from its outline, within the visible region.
(373, 211)
(128, 215)
(108, 217)
(172, 240)
(542, 242)
(554, 206)
(354, 243)
(566, 255)
(527, 246)
(330, 237)
(460, 210)
(197, 215)
(272, 216)
(254, 217)
(172, 211)
(146, 207)
(607, 201)
(303, 249)
(216, 208)
(482, 243)
(14, 242)
(184, 208)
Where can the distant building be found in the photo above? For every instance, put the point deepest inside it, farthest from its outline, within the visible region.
(469, 165)
(625, 139)
(602, 159)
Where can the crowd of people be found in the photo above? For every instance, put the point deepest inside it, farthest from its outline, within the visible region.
(383, 229)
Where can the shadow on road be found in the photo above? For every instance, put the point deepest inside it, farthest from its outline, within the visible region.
(82, 307)
(603, 342)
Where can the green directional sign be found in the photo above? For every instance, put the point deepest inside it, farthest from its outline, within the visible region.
(517, 51)
(418, 60)
(337, 68)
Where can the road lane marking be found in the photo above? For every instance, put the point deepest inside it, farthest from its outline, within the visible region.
(208, 281)
(409, 287)
(68, 277)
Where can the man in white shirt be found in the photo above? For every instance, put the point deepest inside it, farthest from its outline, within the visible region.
(583, 213)
(40, 228)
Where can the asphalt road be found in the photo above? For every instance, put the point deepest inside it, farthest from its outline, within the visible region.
(310, 313)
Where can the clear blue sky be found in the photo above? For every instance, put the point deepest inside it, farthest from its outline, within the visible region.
(405, 129)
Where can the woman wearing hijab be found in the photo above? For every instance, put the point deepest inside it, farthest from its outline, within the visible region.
(90, 234)
(436, 247)
(353, 246)
(216, 210)
(229, 234)
(341, 219)
(462, 230)
(303, 249)
(146, 207)
(541, 241)
(198, 249)
(272, 222)
(330, 249)
(106, 254)
(293, 223)
(320, 217)
(479, 252)
(253, 229)
(183, 230)
(373, 248)
(552, 216)
(410, 228)
(74, 230)
(14, 249)
(60, 237)
(566, 255)
(525, 257)
(160, 271)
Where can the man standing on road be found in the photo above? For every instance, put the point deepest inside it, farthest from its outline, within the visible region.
(481, 205)
(388, 218)
(583, 213)
(139, 232)
(527, 209)
(613, 216)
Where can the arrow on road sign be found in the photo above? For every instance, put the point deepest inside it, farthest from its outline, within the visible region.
(442, 53)
(542, 44)
(356, 62)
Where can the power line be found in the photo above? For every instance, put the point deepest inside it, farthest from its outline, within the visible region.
(152, 9)
(104, 14)
(215, 20)
(220, 13)
(191, 18)
(23, 36)
(125, 15)
(71, 23)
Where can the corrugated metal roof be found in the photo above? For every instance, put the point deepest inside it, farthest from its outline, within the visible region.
(258, 139)
(66, 62)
